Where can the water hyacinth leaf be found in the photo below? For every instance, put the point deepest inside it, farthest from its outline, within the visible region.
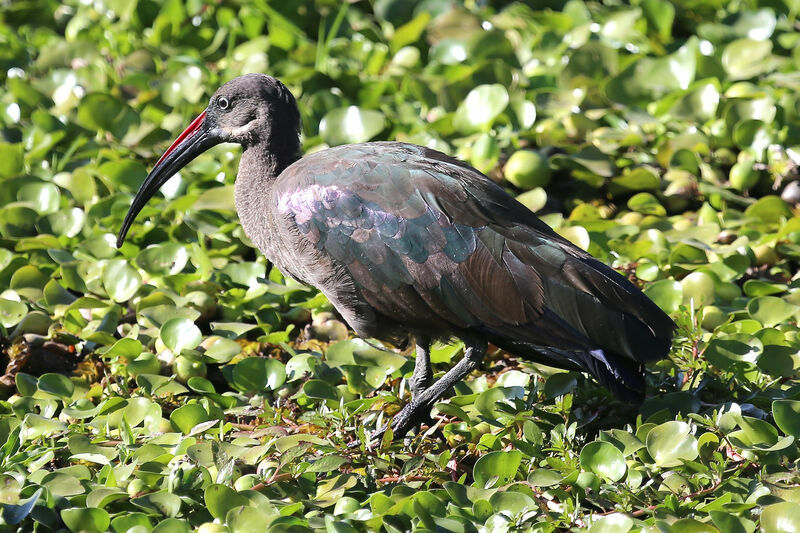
(588, 159)
(769, 209)
(613, 523)
(185, 418)
(163, 259)
(66, 222)
(11, 312)
(480, 108)
(543, 477)
(604, 459)
(783, 517)
(560, 384)
(497, 467)
(161, 503)
(86, 519)
(120, 280)
(243, 519)
(348, 125)
(639, 179)
(487, 401)
(320, 390)
(771, 310)
(646, 204)
(250, 374)
(246, 274)
(276, 373)
(128, 175)
(221, 349)
(534, 199)
(511, 502)
(57, 385)
(759, 435)
(760, 287)
(180, 334)
(17, 221)
(787, 416)
(41, 197)
(671, 443)
(690, 525)
(12, 159)
(172, 525)
(745, 58)
(740, 347)
(130, 521)
(15, 513)
(28, 277)
(99, 111)
(220, 499)
(409, 32)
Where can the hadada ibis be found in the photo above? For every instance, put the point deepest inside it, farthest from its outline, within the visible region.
(409, 243)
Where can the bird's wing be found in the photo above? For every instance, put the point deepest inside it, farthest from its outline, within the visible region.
(429, 240)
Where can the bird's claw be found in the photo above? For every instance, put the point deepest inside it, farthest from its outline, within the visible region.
(411, 416)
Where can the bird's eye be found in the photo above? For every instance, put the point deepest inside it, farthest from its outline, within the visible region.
(223, 103)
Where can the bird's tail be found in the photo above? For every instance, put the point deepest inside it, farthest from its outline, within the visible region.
(619, 374)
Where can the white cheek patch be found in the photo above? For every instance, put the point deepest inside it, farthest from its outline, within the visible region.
(241, 130)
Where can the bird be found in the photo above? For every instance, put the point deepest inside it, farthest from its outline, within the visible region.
(411, 245)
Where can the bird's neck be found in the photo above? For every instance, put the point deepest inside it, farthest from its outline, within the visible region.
(260, 165)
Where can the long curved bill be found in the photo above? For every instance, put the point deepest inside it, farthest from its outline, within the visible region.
(194, 140)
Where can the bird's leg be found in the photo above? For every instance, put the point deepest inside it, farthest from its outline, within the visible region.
(423, 374)
(421, 404)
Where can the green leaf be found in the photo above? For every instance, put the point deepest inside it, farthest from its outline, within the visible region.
(481, 107)
(660, 14)
(86, 519)
(220, 499)
(222, 350)
(671, 443)
(67, 222)
(163, 259)
(770, 310)
(250, 374)
(41, 197)
(162, 503)
(11, 312)
(121, 280)
(409, 32)
(11, 159)
(769, 209)
(99, 111)
(665, 293)
(787, 416)
(319, 390)
(783, 517)
(172, 525)
(746, 58)
(613, 523)
(560, 384)
(348, 125)
(496, 468)
(57, 385)
(603, 459)
(127, 175)
(127, 521)
(187, 417)
(647, 204)
(180, 334)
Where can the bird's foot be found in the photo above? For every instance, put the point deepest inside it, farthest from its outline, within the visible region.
(411, 416)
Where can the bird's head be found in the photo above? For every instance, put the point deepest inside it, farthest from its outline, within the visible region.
(254, 109)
